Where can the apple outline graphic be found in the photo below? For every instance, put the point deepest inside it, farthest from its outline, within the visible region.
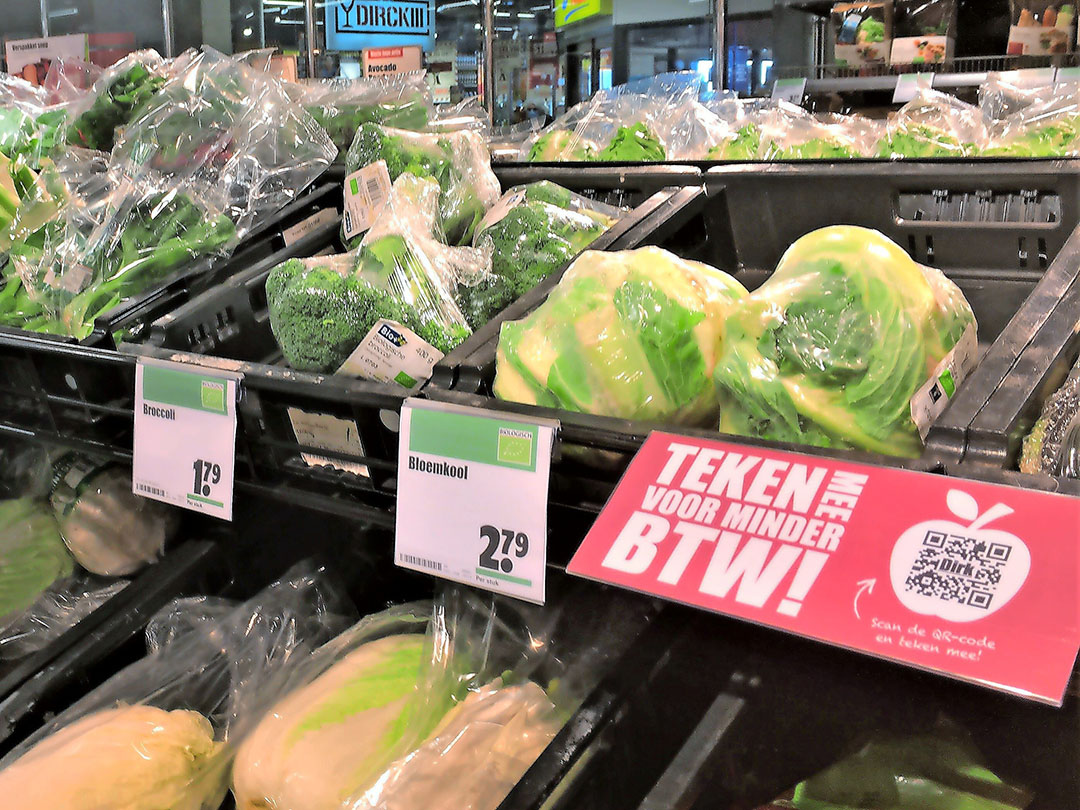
(1014, 570)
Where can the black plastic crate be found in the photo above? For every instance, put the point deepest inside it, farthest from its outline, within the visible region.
(28, 376)
(996, 234)
(995, 438)
(46, 681)
(231, 323)
(803, 706)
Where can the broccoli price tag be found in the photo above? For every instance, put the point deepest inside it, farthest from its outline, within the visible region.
(472, 497)
(185, 436)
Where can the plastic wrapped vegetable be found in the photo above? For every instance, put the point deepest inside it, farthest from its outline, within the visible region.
(633, 334)
(832, 348)
(116, 95)
(1053, 446)
(383, 718)
(938, 770)
(791, 133)
(161, 732)
(1049, 127)
(533, 230)
(636, 143)
(934, 124)
(32, 555)
(341, 107)
(561, 144)
(457, 161)
(322, 308)
(226, 135)
(109, 530)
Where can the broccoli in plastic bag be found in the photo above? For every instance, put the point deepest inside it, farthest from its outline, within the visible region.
(832, 348)
(633, 334)
(457, 161)
(533, 230)
(322, 308)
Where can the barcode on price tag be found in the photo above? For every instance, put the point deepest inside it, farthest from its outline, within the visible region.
(185, 436)
(366, 192)
(472, 497)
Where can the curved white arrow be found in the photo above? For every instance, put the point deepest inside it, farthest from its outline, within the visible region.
(867, 586)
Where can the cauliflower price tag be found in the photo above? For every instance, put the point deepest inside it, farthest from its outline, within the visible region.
(391, 352)
(366, 192)
(929, 401)
(472, 497)
(185, 436)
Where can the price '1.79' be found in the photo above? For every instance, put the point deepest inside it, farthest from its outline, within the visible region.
(205, 475)
(508, 543)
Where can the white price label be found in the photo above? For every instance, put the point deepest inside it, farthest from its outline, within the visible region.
(472, 497)
(185, 436)
(928, 403)
(909, 84)
(1029, 77)
(316, 220)
(328, 433)
(366, 192)
(391, 352)
(791, 90)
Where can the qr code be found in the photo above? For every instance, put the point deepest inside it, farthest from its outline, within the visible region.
(958, 569)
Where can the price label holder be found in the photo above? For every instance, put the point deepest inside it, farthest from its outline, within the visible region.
(472, 497)
(908, 84)
(185, 436)
(1065, 75)
(1029, 77)
(791, 90)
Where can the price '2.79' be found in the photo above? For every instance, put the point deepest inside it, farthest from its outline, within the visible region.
(514, 544)
(205, 475)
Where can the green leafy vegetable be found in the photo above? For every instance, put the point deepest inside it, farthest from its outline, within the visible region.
(535, 238)
(114, 107)
(560, 144)
(921, 141)
(341, 121)
(1056, 139)
(633, 144)
(830, 350)
(813, 149)
(871, 30)
(744, 146)
(32, 555)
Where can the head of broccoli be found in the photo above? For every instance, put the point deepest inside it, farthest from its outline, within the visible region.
(318, 316)
(529, 243)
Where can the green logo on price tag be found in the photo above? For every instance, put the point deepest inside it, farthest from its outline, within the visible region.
(213, 395)
(515, 446)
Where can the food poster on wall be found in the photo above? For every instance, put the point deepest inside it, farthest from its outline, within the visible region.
(30, 58)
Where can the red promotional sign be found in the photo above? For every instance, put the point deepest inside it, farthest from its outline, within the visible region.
(961, 577)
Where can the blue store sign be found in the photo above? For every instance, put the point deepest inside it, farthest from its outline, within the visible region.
(353, 25)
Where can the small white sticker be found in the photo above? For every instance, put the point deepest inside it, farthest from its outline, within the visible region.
(316, 220)
(328, 433)
(930, 400)
(366, 192)
(391, 352)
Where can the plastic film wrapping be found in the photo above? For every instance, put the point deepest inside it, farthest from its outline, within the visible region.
(832, 348)
(633, 334)
(532, 231)
(458, 161)
(164, 729)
